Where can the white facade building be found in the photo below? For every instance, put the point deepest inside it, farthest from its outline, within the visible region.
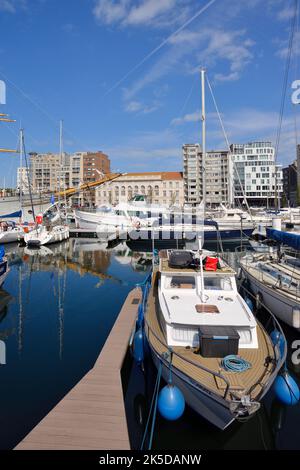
(256, 175)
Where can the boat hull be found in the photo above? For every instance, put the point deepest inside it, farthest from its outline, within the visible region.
(35, 239)
(211, 408)
(3, 272)
(280, 306)
(11, 236)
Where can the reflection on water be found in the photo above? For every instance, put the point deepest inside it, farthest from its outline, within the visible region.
(56, 311)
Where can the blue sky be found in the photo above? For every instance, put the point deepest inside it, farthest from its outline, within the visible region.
(125, 84)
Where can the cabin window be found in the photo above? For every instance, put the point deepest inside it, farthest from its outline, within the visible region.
(180, 282)
(217, 283)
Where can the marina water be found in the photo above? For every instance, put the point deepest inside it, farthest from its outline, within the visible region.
(57, 308)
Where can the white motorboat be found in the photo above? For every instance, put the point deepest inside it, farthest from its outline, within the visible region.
(190, 317)
(43, 235)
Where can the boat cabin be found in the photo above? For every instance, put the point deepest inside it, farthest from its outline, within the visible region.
(189, 299)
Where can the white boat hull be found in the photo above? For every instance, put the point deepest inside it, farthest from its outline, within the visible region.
(280, 305)
(12, 236)
(41, 236)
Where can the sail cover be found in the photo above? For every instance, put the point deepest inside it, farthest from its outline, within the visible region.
(14, 215)
(286, 238)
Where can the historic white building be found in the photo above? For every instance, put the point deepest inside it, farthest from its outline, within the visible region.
(159, 187)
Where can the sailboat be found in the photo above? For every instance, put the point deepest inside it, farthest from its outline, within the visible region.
(274, 277)
(10, 232)
(47, 233)
(195, 322)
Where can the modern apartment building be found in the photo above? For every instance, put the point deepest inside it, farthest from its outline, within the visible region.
(256, 175)
(159, 187)
(217, 171)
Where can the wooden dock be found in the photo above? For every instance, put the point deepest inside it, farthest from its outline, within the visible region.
(92, 415)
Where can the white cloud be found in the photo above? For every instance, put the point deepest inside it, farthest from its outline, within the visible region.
(139, 107)
(133, 13)
(7, 6)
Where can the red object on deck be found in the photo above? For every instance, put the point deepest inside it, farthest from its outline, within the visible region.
(39, 219)
(211, 264)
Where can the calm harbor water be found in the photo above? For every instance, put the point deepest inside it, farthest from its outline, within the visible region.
(56, 310)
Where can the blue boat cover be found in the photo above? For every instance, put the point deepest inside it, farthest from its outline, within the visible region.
(14, 215)
(286, 238)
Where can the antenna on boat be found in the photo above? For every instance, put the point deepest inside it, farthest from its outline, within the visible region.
(21, 175)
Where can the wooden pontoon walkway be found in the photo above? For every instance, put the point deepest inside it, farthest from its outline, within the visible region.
(92, 415)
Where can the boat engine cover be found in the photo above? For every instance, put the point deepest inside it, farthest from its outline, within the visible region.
(180, 259)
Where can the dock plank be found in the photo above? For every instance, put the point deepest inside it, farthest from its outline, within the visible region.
(92, 415)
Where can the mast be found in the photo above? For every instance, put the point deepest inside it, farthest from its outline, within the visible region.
(60, 159)
(21, 174)
(203, 118)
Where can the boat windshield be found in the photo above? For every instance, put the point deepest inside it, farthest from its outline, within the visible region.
(218, 283)
(180, 282)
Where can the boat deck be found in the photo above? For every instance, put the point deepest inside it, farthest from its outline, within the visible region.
(193, 364)
(164, 267)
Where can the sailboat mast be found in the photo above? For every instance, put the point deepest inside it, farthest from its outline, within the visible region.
(60, 159)
(203, 118)
(21, 173)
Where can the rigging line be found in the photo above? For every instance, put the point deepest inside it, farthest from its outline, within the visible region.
(284, 88)
(160, 46)
(228, 146)
(39, 108)
(187, 99)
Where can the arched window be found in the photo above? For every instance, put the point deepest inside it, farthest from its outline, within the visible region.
(123, 191)
(143, 189)
(129, 192)
(156, 190)
(136, 190)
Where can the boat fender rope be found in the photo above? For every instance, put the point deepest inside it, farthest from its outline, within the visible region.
(233, 363)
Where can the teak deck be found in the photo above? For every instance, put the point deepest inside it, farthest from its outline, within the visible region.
(92, 415)
(241, 382)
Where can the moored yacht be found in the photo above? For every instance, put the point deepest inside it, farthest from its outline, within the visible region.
(3, 266)
(195, 318)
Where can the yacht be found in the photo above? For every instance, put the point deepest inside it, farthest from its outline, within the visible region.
(193, 319)
(10, 232)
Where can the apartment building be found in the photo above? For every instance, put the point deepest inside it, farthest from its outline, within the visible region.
(257, 177)
(160, 188)
(22, 180)
(51, 172)
(217, 172)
